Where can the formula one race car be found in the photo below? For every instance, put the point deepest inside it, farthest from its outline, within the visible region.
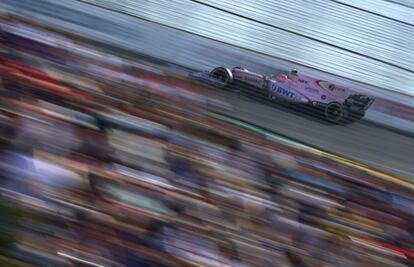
(334, 102)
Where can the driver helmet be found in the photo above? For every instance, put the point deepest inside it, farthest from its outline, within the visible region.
(294, 72)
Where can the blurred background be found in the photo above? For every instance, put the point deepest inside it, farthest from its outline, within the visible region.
(111, 155)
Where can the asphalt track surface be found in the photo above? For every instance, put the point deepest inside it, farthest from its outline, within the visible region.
(362, 141)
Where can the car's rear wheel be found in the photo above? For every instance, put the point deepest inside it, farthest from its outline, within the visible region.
(334, 112)
(223, 75)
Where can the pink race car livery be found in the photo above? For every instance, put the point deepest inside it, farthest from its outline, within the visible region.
(335, 102)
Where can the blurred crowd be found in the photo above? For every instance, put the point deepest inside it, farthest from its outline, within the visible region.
(110, 162)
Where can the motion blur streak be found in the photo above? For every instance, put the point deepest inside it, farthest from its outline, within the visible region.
(112, 154)
(345, 41)
(382, 149)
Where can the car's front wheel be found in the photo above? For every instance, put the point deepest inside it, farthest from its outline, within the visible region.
(223, 75)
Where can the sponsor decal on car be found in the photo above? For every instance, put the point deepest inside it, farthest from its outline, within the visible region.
(282, 91)
(312, 90)
(303, 81)
(318, 104)
(330, 86)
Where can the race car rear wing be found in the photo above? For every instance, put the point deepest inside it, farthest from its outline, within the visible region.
(359, 102)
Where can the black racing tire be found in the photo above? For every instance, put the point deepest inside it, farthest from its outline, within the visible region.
(222, 74)
(335, 112)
